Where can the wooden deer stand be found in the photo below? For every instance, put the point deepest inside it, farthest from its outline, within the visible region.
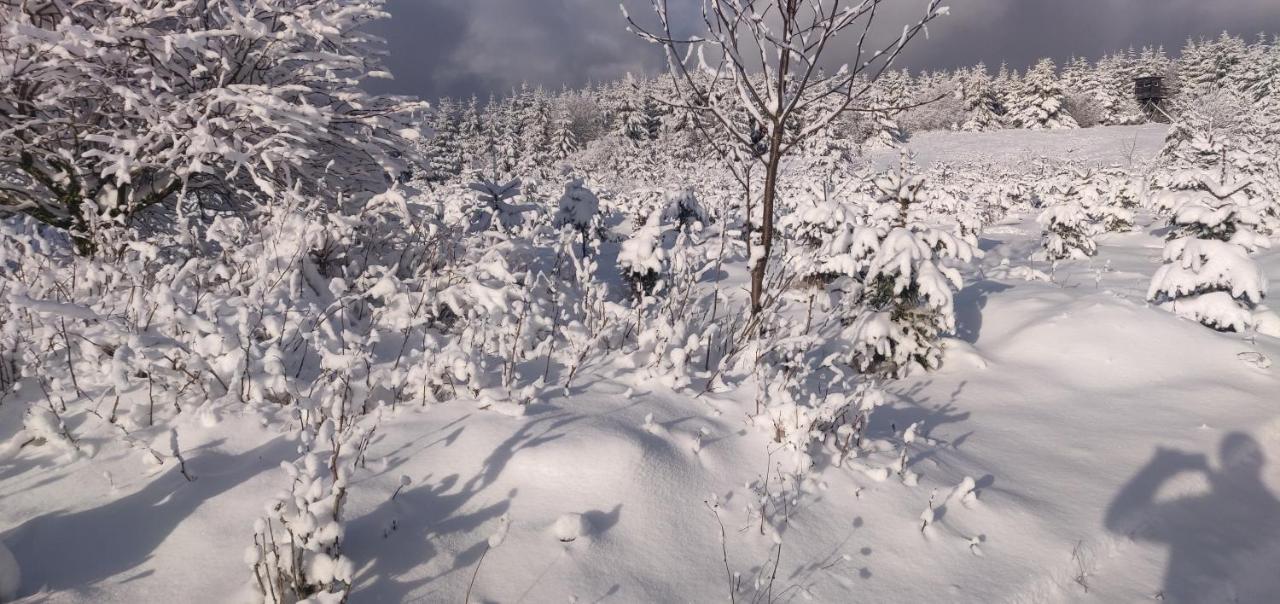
(1150, 93)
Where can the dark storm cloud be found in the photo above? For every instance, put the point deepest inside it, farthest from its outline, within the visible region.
(463, 47)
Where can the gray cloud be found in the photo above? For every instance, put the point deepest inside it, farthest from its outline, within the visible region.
(463, 47)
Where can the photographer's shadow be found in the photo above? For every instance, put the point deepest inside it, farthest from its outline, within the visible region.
(1208, 534)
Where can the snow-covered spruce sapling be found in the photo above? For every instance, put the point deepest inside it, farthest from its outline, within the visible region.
(495, 209)
(1111, 198)
(1068, 232)
(643, 258)
(821, 226)
(885, 132)
(907, 287)
(685, 211)
(1208, 275)
(579, 209)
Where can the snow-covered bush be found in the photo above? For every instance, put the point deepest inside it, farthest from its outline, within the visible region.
(111, 108)
(579, 210)
(945, 113)
(1083, 108)
(643, 258)
(1208, 275)
(684, 210)
(907, 285)
(297, 547)
(495, 209)
(1068, 231)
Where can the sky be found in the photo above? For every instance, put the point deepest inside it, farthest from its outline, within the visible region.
(459, 48)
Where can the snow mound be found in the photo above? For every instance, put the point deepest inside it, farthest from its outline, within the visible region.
(10, 577)
(569, 527)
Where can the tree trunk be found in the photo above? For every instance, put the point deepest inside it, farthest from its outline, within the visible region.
(766, 221)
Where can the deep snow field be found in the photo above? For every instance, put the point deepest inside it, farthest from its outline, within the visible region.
(1055, 456)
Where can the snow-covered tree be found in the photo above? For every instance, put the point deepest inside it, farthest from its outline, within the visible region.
(1068, 231)
(109, 107)
(495, 209)
(789, 84)
(907, 286)
(442, 148)
(1112, 90)
(981, 101)
(1207, 65)
(642, 257)
(886, 132)
(579, 209)
(563, 141)
(1039, 102)
(1005, 90)
(1208, 275)
(1264, 84)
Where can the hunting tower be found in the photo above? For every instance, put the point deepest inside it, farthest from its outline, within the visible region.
(1150, 92)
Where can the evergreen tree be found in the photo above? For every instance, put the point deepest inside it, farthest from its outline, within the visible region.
(1264, 87)
(443, 151)
(563, 141)
(1039, 105)
(906, 287)
(471, 139)
(1112, 90)
(1003, 89)
(579, 209)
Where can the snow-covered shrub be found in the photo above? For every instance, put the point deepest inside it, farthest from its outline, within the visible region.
(643, 258)
(111, 108)
(495, 209)
(1208, 275)
(297, 547)
(945, 113)
(1068, 231)
(684, 210)
(579, 209)
(1084, 109)
(907, 286)
(274, 313)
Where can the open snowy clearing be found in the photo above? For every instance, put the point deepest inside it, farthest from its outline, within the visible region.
(1052, 459)
(1122, 146)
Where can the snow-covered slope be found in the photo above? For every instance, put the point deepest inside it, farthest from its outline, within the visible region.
(1077, 444)
(1123, 146)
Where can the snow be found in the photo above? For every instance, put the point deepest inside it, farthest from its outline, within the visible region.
(10, 575)
(1118, 145)
(1074, 436)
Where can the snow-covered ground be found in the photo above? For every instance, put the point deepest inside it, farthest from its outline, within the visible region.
(1122, 146)
(1077, 444)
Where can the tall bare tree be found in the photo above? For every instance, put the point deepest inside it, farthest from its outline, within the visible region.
(764, 58)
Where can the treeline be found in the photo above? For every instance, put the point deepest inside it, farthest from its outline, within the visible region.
(532, 129)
